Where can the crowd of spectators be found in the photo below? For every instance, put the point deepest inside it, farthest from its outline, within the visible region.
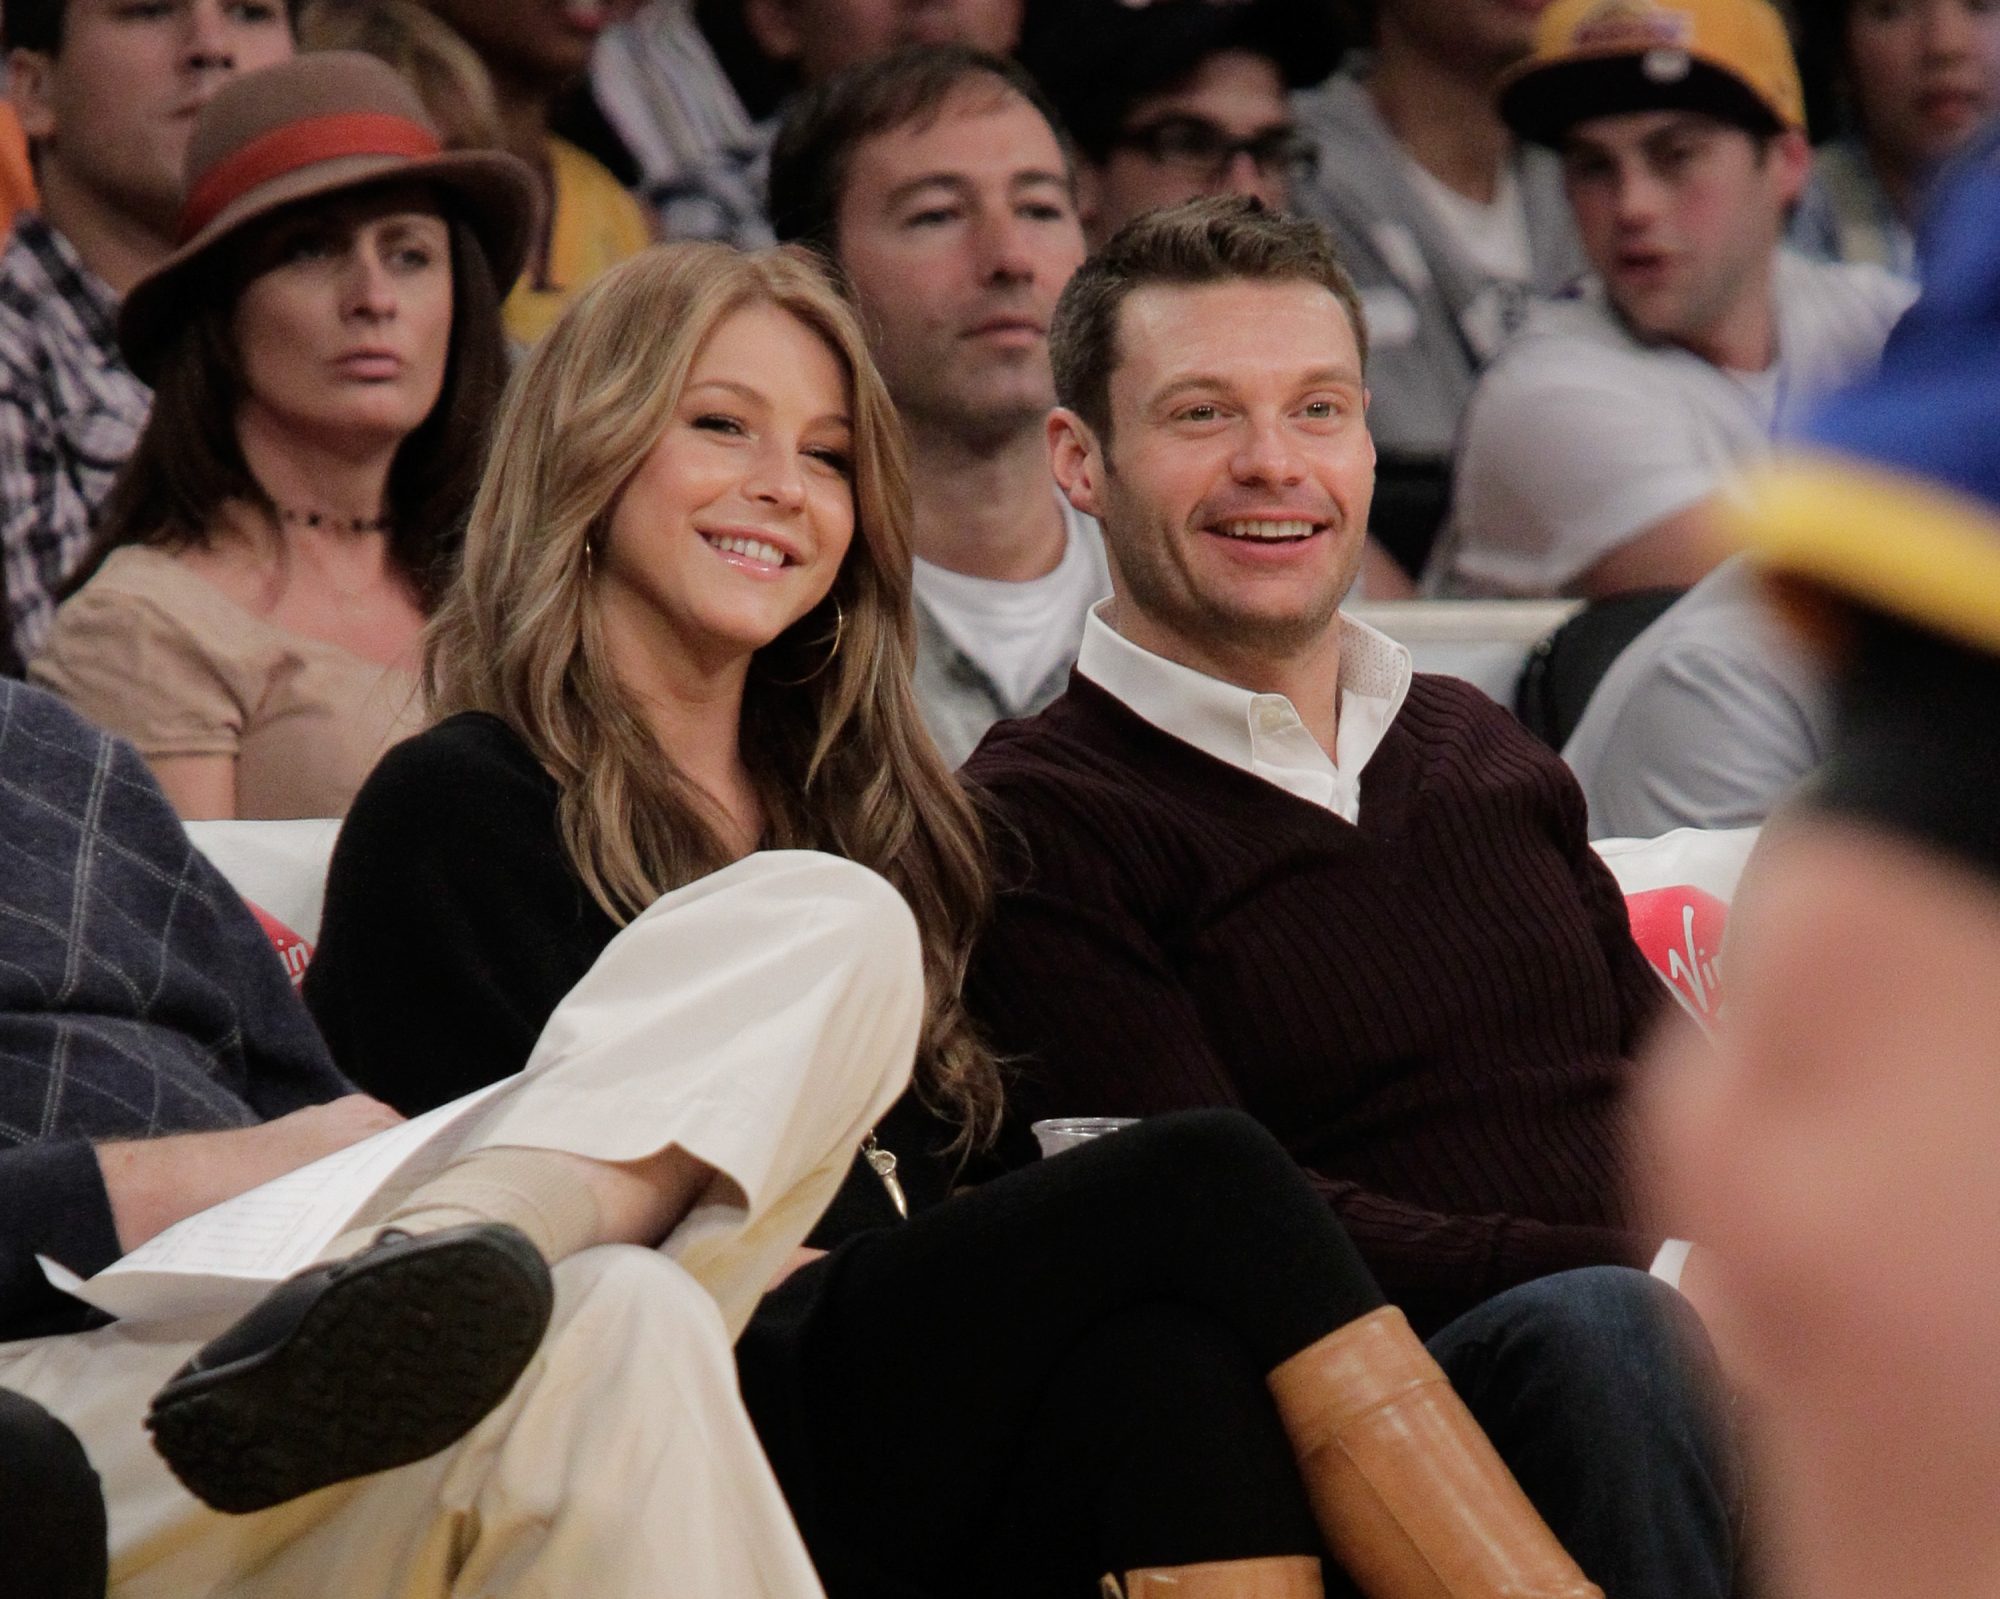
(843, 568)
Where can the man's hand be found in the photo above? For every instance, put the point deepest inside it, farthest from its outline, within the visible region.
(304, 1136)
(156, 1182)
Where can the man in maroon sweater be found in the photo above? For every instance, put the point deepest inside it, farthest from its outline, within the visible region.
(1249, 859)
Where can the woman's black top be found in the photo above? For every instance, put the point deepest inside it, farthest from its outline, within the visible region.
(454, 925)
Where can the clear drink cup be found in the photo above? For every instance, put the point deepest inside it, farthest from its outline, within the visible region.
(1057, 1133)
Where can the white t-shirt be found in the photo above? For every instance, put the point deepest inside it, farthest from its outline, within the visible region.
(1491, 238)
(1019, 633)
(1580, 437)
(1491, 242)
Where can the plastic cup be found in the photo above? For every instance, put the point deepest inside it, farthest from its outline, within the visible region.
(1058, 1133)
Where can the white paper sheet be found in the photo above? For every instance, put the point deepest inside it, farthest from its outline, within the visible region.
(224, 1259)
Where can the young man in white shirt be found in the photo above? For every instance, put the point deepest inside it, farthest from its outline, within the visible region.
(936, 183)
(1592, 445)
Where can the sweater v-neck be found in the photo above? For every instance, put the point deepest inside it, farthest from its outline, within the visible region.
(1095, 719)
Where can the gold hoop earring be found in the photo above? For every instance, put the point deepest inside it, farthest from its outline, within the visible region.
(589, 566)
(832, 649)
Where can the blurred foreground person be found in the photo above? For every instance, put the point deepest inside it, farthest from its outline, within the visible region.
(326, 353)
(1836, 1148)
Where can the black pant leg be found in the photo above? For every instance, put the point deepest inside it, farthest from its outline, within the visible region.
(52, 1527)
(1153, 1444)
(927, 1348)
(1204, 1208)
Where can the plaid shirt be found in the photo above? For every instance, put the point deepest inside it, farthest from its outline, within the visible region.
(704, 162)
(138, 997)
(70, 412)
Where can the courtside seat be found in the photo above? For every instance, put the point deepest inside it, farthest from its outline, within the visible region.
(1677, 891)
(1486, 642)
(280, 870)
(1677, 888)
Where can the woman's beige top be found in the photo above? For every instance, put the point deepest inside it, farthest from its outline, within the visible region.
(152, 651)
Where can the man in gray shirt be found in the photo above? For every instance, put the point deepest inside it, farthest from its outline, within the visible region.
(936, 183)
(1708, 719)
(1447, 223)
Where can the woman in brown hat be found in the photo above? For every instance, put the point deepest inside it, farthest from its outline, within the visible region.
(326, 354)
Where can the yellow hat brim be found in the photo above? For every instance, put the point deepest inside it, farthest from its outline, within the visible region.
(1911, 548)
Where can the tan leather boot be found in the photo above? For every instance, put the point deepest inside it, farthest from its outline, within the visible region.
(1279, 1577)
(1410, 1495)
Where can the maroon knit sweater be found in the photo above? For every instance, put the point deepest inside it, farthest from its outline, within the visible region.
(1434, 1010)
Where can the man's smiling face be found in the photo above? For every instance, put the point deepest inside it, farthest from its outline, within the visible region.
(1235, 482)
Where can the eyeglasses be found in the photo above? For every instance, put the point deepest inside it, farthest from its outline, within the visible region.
(1205, 151)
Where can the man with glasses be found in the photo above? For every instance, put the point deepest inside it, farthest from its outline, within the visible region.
(1180, 98)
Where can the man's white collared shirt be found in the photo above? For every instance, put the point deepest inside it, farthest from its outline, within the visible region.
(1262, 734)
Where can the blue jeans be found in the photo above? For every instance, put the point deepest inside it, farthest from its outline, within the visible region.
(1600, 1390)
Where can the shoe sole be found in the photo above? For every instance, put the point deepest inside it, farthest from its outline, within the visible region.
(393, 1362)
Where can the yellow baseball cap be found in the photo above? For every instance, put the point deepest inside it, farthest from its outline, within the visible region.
(1594, 58)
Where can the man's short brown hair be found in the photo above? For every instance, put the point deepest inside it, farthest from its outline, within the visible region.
(830, 121)
(1199, 242)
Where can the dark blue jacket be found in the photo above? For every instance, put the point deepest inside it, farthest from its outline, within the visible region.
(138, 997)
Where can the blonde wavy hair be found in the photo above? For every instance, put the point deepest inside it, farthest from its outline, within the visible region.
(830, 731)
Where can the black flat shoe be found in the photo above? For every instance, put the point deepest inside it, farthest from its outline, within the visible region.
(356, 1367)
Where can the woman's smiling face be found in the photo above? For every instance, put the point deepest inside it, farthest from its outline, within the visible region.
(737, 521)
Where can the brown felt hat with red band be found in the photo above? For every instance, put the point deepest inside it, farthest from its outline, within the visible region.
(317, 125)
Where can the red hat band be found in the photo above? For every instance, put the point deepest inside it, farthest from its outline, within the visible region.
(301, 144)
